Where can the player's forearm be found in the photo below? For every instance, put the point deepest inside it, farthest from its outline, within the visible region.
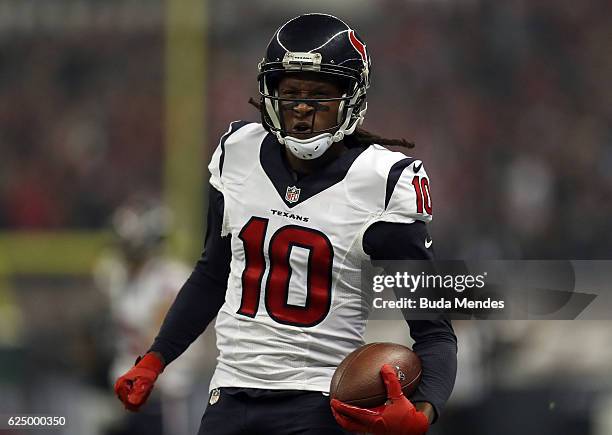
(436, 345)
(195, 307)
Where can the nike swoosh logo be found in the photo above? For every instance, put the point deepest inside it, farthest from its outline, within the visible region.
(416, 168)
(428, 243)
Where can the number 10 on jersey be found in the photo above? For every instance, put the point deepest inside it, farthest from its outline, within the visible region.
(319, 272)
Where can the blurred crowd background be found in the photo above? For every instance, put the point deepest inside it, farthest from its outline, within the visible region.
(510, 106)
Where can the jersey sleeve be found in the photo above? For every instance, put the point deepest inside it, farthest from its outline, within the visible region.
(218, 158)
(408, 195)
(393, 241)
(214, 168)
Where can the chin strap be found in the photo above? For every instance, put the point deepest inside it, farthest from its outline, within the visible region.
(311, 148)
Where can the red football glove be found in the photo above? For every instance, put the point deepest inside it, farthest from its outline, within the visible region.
(397, 417)
(134, 387)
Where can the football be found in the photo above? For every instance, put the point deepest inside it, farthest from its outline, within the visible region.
(357, 379)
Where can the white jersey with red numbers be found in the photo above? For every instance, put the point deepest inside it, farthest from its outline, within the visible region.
(294, 304)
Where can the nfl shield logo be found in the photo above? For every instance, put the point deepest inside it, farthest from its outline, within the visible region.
(293, 194)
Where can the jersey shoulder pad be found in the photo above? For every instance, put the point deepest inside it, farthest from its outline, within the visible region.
(365, 180)
(390, 185)
(235, 149)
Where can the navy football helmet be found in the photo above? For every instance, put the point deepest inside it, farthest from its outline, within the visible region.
(322, 44)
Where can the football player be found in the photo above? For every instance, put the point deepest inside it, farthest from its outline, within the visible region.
(140, 284)
(297, 202)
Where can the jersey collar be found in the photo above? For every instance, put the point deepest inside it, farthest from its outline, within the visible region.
(283, 178)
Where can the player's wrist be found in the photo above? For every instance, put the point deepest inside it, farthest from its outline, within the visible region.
(427, 409)
(151, 361)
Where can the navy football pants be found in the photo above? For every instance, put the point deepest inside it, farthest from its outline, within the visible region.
(245, 411)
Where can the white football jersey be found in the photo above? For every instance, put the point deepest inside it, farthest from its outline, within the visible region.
(293, 308)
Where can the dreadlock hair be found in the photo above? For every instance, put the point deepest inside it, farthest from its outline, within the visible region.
(360, 137)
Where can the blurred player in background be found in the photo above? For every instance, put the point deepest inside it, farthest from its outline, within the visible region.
(141, 284)
(296, 204)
